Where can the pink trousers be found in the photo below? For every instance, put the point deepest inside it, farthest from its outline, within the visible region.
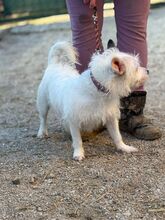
(131, 24)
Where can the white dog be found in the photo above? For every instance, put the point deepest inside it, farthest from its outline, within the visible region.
(84, 102)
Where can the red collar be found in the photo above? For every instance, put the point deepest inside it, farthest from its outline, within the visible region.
(98, 85)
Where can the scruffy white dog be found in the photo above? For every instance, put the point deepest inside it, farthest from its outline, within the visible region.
(84, 102)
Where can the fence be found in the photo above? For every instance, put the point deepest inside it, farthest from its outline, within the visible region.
(38, 7)
(32, 8)
(21, 9)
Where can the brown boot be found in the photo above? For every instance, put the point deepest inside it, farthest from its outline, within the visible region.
(132, 119)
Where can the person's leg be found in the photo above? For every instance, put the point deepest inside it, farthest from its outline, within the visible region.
(83, 31)
(131, 23)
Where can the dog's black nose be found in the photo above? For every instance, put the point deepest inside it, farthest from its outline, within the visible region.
(148, 72)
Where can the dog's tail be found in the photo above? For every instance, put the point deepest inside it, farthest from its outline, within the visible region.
(64, 53)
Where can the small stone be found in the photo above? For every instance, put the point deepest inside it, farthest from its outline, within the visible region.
(88, 218)
(16, 182)
(39, 209)
(33, 180)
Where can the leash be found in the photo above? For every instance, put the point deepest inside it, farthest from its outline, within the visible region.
(96, 27)
(98, 49)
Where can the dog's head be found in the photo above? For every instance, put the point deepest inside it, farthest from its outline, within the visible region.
(119, 72)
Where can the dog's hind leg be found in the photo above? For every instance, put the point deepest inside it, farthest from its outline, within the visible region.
(76, 142)
(43, 108)
(113, 128)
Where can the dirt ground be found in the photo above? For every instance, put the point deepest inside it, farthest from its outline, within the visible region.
(38, 178)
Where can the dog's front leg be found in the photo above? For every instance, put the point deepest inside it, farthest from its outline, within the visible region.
(113, 128)
(76, 143)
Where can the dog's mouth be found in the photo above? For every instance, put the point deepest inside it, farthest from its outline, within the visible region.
(138, 84)
(142, 79)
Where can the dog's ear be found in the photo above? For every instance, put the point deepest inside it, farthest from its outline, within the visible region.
(118, 66)
(110, 44)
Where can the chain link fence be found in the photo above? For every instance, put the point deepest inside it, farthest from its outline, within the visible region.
(24, 9)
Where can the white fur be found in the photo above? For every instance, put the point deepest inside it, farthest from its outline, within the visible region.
(77, 101)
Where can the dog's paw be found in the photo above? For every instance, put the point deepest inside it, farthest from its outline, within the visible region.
(78, 155)
(127, 148)
(78, 158)
(42, 134)
(131, 149)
